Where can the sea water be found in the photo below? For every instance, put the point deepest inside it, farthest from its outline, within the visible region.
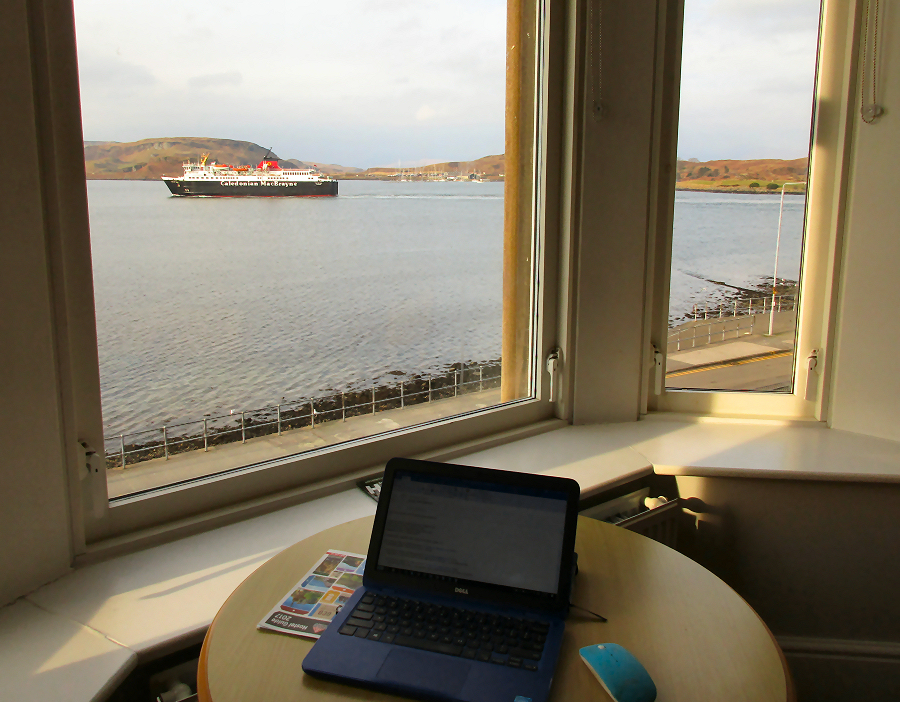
(731, 238)
(206, 305)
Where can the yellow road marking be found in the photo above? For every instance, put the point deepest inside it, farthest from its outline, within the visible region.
(727, 364)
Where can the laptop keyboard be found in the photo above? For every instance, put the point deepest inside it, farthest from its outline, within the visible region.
(455, 631)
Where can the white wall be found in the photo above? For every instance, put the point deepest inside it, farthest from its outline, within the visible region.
(866, 391)
(817, 561)
(34, 520)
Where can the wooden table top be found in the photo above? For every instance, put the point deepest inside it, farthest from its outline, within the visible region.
(697, 638)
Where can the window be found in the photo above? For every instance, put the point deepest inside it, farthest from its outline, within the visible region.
(807, 333)
(602, 258)
(383, 405)
(732, 324)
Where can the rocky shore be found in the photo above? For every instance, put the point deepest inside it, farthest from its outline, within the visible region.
(329, 406)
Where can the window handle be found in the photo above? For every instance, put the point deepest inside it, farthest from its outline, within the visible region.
(812, 376)
(552, 369)
(95, 474)
(659, 373)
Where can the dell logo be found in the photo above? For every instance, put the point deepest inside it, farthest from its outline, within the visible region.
(461, 590)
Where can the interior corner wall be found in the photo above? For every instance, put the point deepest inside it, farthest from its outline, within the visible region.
(35, 538)
(866, 388)
(817, 561)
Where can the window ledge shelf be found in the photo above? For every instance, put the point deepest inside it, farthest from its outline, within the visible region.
(763, 449)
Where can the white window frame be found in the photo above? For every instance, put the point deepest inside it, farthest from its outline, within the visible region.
(100, 529)
(606, 198)
(826, 198)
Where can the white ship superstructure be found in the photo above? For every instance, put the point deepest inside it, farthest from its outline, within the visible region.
(267, 179)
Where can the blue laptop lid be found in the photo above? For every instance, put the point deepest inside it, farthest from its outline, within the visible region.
(488, 535)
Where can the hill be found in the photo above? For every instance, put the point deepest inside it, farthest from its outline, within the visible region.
(487, 167)
(148, 159)
(732, 175)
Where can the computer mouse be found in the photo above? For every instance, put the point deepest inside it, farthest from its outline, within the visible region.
(620, 673)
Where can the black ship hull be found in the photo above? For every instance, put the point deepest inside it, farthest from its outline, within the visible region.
(198, 188)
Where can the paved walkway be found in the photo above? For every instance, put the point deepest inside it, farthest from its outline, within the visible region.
(733, 355)
(193, 464)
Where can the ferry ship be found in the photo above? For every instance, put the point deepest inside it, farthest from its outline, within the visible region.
(268, 179)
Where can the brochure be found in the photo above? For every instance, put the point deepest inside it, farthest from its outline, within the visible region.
(313, 602)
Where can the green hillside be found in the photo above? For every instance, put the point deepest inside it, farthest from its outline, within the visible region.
(148, 159)
(757, 175)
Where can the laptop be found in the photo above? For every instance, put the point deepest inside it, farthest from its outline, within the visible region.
(466, 587)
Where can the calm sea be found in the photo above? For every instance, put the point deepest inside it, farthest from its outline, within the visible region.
(206, 305)
(730, 238)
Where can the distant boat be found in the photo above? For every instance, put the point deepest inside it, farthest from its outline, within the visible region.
(268, 179)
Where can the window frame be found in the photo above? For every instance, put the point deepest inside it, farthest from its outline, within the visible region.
(100, 528)
(826, 203)
(606, 359)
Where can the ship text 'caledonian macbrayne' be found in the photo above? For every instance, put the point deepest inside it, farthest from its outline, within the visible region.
(268, 179)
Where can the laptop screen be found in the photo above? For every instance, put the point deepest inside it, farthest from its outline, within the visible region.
(456, 529)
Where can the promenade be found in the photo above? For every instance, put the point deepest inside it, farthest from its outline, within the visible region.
(732, 355)
(193, 464)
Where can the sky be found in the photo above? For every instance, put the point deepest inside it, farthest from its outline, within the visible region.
(382, 82)
(747, 79)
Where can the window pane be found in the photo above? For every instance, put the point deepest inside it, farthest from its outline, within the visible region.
(325, 262)
(748, 74)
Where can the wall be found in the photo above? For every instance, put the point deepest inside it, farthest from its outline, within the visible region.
(866, 392)
(34, 520)
(818, 562)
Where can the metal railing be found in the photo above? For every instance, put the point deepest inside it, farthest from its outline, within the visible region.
(238, 426)
(721, 321)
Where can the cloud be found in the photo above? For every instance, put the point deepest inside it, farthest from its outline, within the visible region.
(425, 113)
(748, 73)
(216, 80)
(763, 15)
(111, 75)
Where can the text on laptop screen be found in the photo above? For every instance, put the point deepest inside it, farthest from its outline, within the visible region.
(467, 530)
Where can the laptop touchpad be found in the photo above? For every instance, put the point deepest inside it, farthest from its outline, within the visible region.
(425, 671)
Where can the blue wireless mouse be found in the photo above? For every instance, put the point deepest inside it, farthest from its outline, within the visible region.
(620, 673)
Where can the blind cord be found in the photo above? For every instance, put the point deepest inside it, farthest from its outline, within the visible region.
(872, 111)
(595, 57)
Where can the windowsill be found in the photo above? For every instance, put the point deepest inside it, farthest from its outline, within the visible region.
(762, 449)
(96, 623)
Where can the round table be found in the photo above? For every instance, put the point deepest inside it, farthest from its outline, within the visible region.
(696, 637)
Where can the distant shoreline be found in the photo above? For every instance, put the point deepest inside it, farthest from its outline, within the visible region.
(336, 176)
(740, 191)
(678, 188)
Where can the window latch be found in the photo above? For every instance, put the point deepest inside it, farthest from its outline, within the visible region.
(812, 376)
(552, 369)
(95, 474)
(659, 372)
